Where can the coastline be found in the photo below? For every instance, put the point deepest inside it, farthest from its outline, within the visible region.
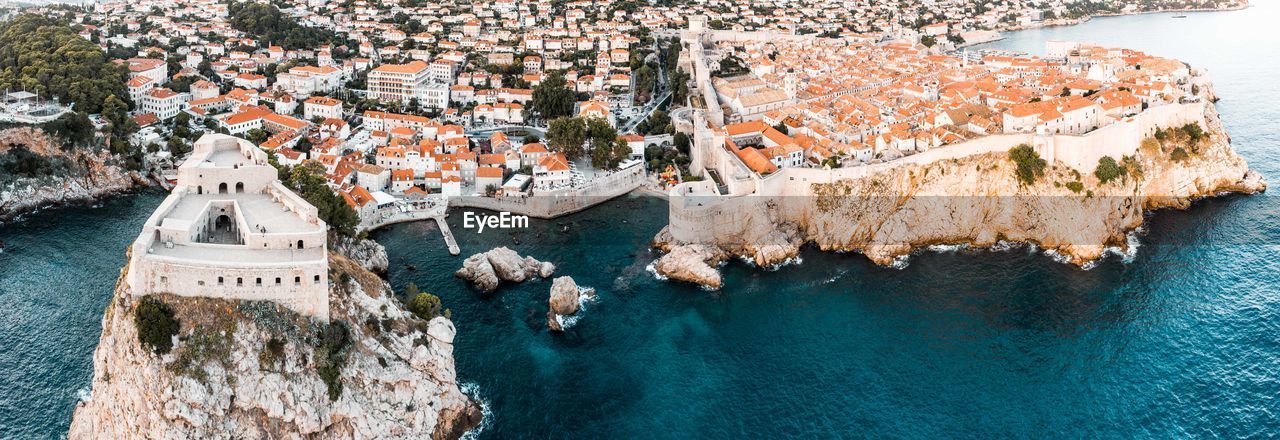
(99, 177)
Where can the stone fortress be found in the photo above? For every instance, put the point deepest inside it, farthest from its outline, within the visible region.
(230, 229)
(732, 196)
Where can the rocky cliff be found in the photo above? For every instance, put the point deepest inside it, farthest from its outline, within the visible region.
(87, 175)
(246, 369)
(977, 201)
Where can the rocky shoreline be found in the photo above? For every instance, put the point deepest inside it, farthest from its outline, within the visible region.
(247, 369)
(976, 202)
(101, 177)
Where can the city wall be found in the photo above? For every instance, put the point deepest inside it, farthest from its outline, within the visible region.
(699, 213)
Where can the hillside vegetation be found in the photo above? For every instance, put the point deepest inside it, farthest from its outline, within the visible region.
(46, 57)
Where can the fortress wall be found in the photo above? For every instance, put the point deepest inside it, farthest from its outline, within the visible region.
(295, 203)
(703, 217)
(255, 240)
(256, 178)
(1122, 138)
(151, 274)
(796, 181)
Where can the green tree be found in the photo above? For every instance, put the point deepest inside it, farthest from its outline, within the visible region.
(601, 135)
(267, 23)
(425, 305)
(308, 181)
(47, 57)
(682, 143)
(114, 111)
(1029, 164)
(567, 136)
(156, 324)
(619, 152)
(1108, 169)
(552, 98)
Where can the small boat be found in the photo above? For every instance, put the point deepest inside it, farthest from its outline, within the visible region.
(1179, 16)
(411, 267)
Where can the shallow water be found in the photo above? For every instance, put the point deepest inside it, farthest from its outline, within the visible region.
(1180, 342)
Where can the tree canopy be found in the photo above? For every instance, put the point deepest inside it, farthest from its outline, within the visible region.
(1030, 165)
(567, 136)
(46, 57)
(267, 23)
(552, 98)
(308, 181)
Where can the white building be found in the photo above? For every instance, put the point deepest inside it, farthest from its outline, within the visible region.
(162, 102)
(309, 80)
(231, 230)
(398, 82)
(321, 107)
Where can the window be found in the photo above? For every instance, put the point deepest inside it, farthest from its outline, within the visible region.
(297, 281)
(299, 244)
(317, 279)
(239, 282)
(164, 279)
(200, 283)
(219, 281)
(258, 282)
(277, 281)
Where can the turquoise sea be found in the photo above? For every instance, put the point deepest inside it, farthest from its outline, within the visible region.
(1184, 341)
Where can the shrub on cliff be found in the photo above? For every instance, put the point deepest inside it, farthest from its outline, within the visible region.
(156, 324)
(1030, 165)
(425, 305)
(332, 345)
(1075, 187)
(1178, 154)
(1108, 169)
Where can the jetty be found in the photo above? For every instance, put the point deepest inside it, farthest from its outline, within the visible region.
(448, 236)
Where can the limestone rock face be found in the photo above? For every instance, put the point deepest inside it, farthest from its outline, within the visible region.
(694, 263)
(368, 253)
(479, 272)
(566, 300)
(564, 296)
(974, 200)
(95, 174)
(246, 369)
(486, 270)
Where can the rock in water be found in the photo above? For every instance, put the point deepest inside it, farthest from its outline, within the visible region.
(507, 264)
(249, 369)
(564, 296)
(479, 272)
(486, 270)
(553, 323)
(694, 263)
(566, 300)
(546, 269)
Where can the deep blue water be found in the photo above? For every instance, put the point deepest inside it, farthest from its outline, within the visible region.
(1183, 341)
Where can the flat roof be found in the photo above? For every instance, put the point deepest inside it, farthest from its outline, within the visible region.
(232, 254)
(257, 209)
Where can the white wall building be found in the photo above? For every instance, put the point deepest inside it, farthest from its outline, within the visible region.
(231, 230)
